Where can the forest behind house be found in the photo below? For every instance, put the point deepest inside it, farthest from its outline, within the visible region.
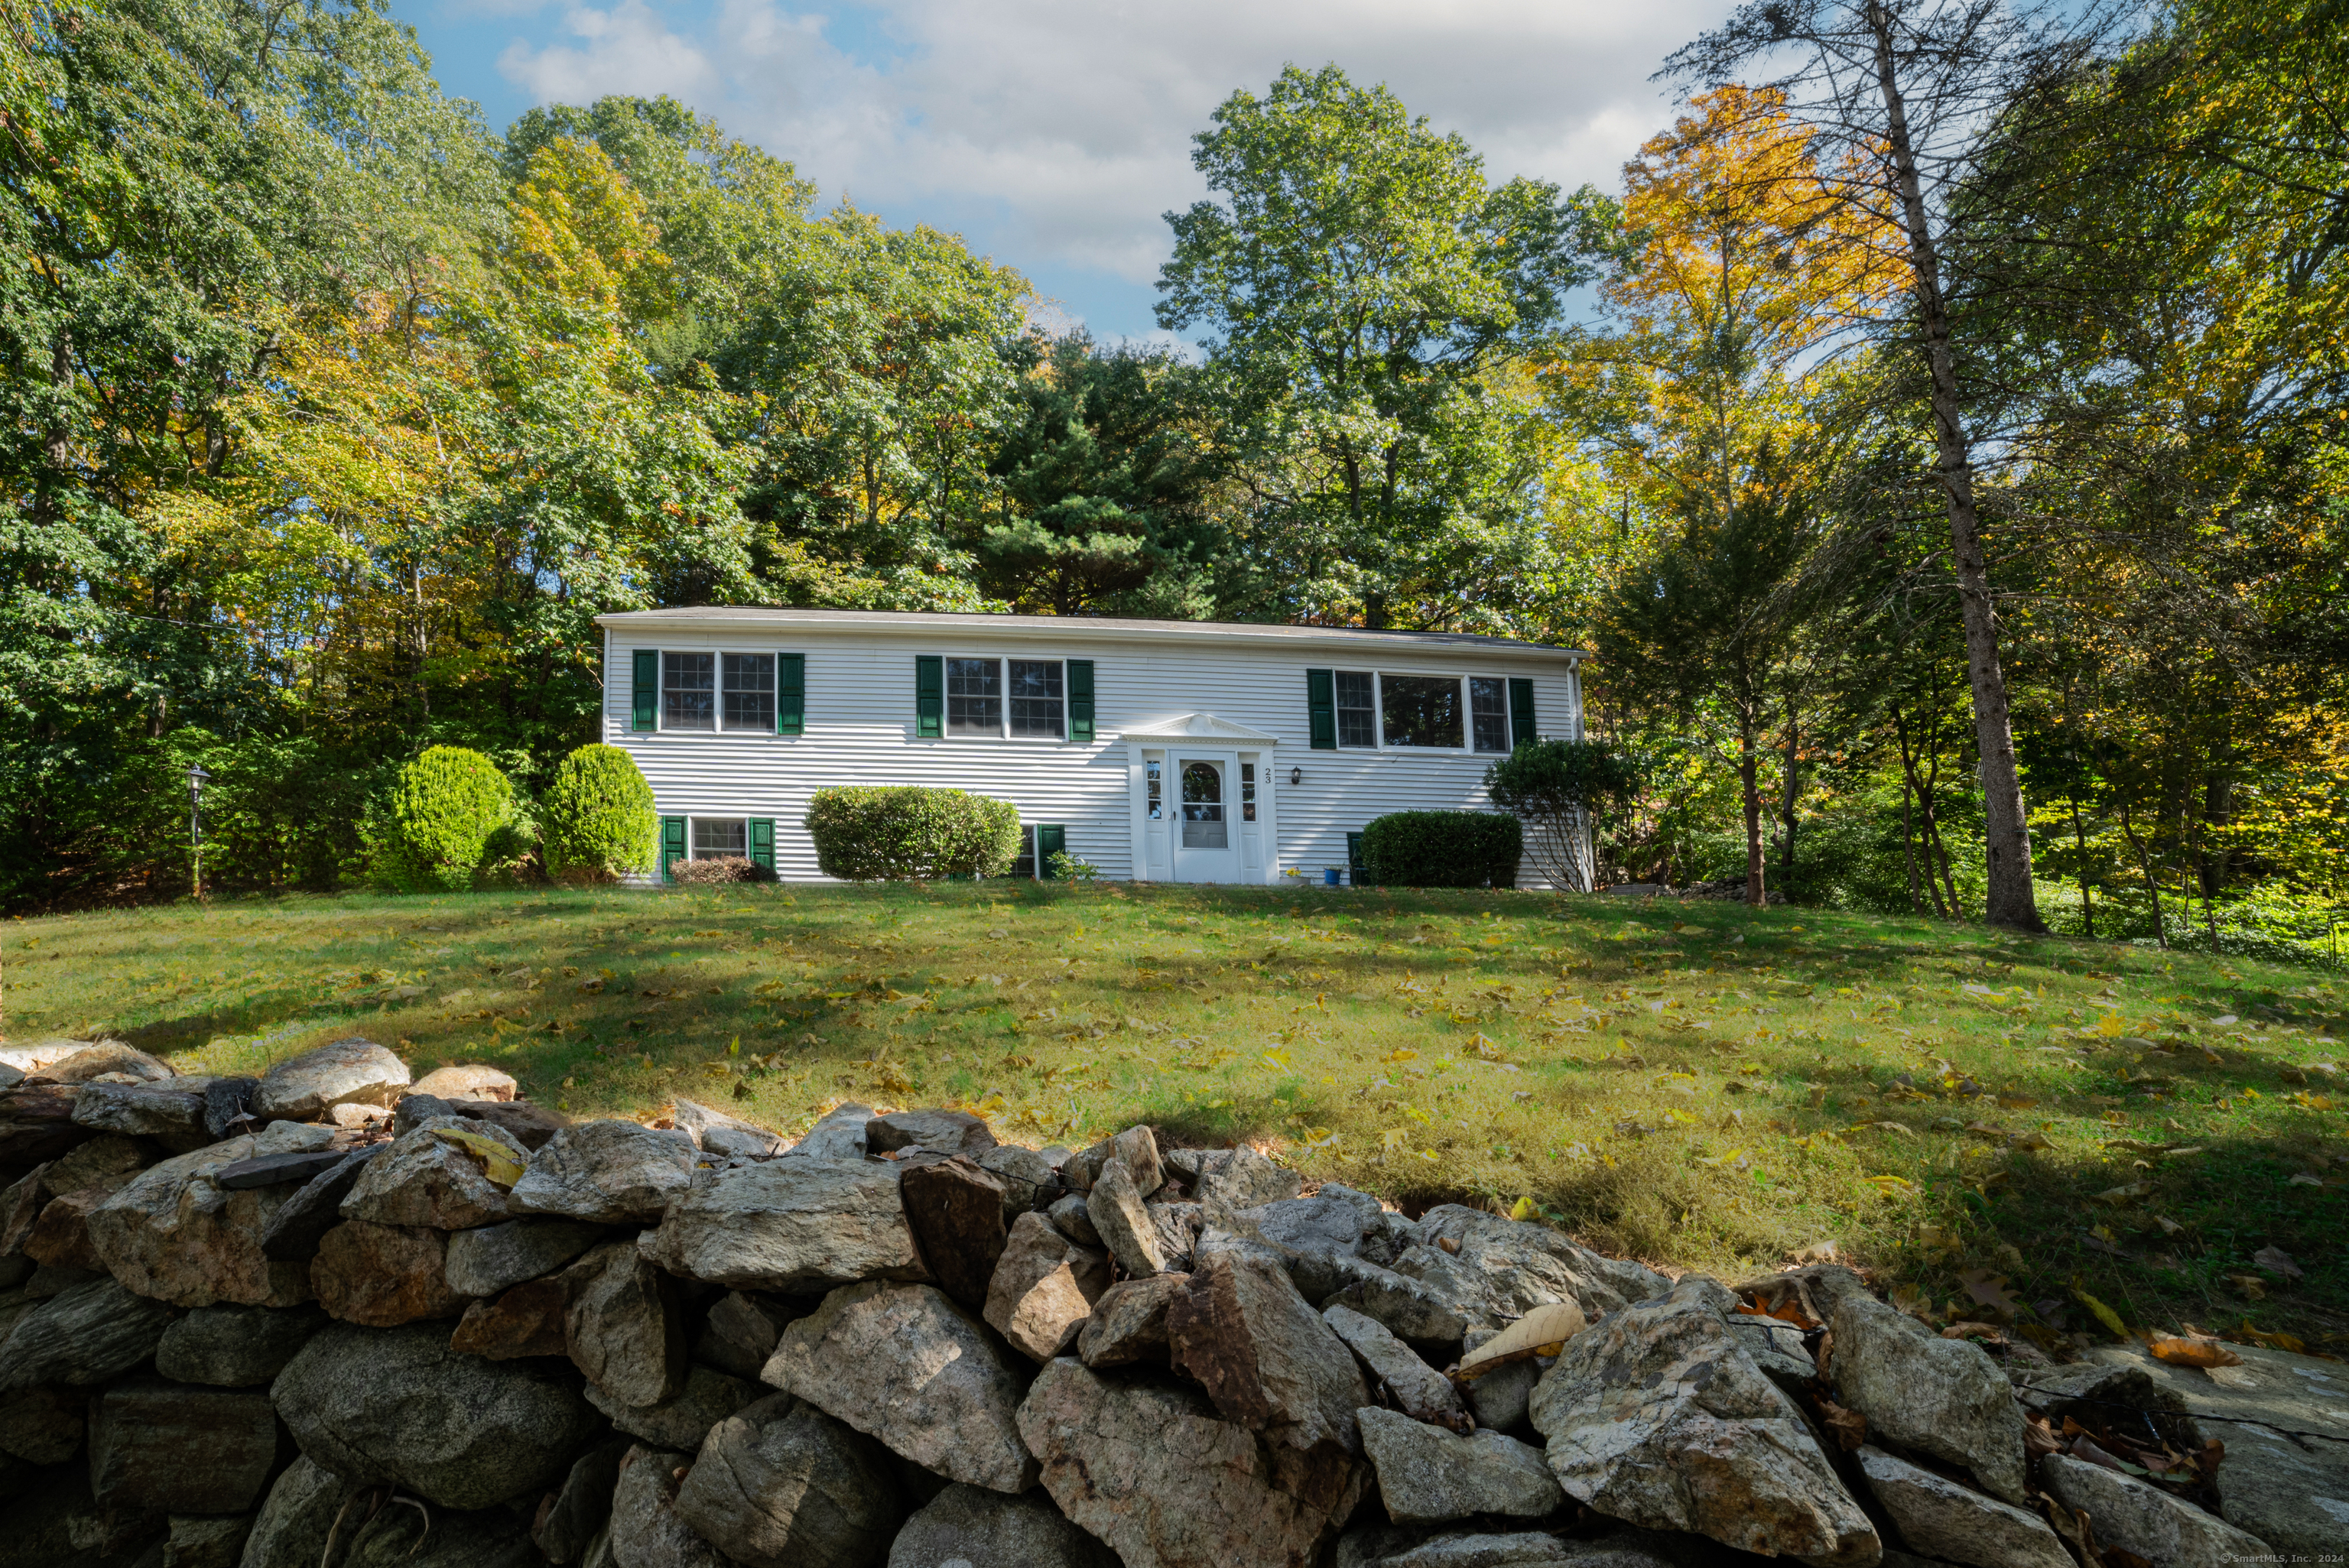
(1938, 437)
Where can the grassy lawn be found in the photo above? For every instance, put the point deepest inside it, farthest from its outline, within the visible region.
(1696, 1084)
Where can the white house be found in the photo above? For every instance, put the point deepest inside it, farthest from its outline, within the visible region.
(1156, 750)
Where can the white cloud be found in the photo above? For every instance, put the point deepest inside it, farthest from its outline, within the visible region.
(1059, 130)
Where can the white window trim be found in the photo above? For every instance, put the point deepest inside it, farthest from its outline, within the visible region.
(1002, 735)
(1379, 673)
(693, 817)
(661, 725)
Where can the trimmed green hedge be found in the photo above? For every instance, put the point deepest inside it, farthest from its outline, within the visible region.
(1442, 849)
(868, 832)
(598, 817)
(436, 830)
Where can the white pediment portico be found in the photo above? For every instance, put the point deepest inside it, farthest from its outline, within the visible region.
(1196, 727)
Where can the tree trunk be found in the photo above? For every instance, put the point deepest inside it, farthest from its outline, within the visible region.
(1909, 842)
(1749, 778)
(1794, 784)
(2087, 901)
(2006, 831)
(2152, 882)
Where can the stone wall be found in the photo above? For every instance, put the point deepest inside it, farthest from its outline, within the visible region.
(330, 1317)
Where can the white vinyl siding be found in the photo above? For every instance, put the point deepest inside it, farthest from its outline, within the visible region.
(860, 729)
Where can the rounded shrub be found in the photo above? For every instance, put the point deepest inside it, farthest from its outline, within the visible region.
(598, 818)
(1442, 849)
(868, 832)
(434, 833)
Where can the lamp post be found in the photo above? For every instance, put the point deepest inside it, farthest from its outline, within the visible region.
(196, 777)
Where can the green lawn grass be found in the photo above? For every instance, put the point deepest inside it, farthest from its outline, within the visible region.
(1696, 1084)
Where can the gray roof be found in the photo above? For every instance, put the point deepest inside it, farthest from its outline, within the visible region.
(1067, 626)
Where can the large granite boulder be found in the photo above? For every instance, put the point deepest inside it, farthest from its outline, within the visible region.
(1169, 1482)
(424, 1179)
(296, 1518)
(1503, 1269)
(739, 1334)
(398, 1407)
(1043, 1287)
(728, 1137)
(1956, 1523)
(646, 1529)
(100, 1058)
(683, 1419)
(839, 1135)
(1945, 1397)
(89, 1334)
(906, 1364)
(1129, 1322)
(626, 1326)
(794, 1224)
(1419, 1390)
(36, 1122)
(955, 1211)
(166, 1447)
(475, 1083)
(303, 1218)
(1125, 1224)
(1226, 1181)
(1655, 1414)
(175, 1234)
(971, 1527)
(236, 1346)
(492, 1258)
(1428, 1474)
(384, 1276)
(172, 1112)
(941, 1131)
(2127, 1513)
(612, 1173)
(779, 1485)
(1267, 1359)
(304, 1088)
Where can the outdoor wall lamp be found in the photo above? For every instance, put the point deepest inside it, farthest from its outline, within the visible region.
(1297, 775)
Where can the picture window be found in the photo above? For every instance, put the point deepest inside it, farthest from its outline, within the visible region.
(1421, 711)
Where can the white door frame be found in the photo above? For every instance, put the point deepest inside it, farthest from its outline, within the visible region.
(1206, 736)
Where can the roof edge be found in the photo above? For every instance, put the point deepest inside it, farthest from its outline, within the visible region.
(1073, 626)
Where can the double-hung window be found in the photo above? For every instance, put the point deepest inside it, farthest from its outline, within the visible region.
(721, 838)
(1018, 699)
(1488, 713)
(688, 691)
(974, 696)
(1037, 699)
(1357, 711)
(678, 690)
(750, 690)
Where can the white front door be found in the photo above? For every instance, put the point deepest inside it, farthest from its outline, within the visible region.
(1206, 829)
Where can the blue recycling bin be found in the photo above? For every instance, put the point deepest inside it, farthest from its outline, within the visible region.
(1329, 875)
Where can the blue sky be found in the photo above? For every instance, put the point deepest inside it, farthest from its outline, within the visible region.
(1052, 134)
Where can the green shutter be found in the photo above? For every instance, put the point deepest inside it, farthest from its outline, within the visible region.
(672, 842)
(791, 696)
(1521, 711)
(1051, 840)
(646, 704)
(1322, 699)
(929, 695)
(763, 842)
(1081, 699)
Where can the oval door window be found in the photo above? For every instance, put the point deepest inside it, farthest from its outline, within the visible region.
(1203, 807)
